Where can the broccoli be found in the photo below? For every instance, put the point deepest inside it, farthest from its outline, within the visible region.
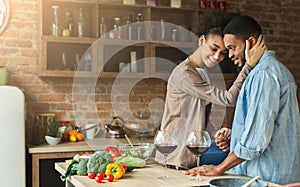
(98, 161)
(82, 167)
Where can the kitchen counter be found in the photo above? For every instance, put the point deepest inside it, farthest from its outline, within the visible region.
(68, 150)
(140, 177)
(89, 145)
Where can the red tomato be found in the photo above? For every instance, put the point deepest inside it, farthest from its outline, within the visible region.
(110, 177)
(115, 152)
(100, 175)
(98, 179)
(91, 175)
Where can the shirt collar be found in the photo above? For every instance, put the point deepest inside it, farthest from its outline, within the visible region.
(265, 55)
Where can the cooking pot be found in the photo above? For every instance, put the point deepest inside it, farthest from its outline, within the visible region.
(114, 131)
(132, 128)
(115, 128)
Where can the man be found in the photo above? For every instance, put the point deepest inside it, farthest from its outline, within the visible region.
(189, 95)
(265, 139)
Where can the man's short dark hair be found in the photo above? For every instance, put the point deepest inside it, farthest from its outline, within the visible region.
(243, 27)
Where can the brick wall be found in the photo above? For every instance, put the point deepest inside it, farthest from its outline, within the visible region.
(281, 27)
(19, 54)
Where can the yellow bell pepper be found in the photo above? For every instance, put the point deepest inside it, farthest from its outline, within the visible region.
(115, 169)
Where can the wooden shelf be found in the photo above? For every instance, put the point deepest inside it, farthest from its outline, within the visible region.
(108, 53)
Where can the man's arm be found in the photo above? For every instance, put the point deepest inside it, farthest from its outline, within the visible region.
(212, 170)
(231, 161)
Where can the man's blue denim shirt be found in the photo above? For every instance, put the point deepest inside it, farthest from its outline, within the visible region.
(266, 126)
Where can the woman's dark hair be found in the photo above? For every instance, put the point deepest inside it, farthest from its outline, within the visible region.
(243, 27)
(213, 31)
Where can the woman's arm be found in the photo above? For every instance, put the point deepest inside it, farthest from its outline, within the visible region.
(197, 87)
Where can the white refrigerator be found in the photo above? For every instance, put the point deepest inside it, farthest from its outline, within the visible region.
(12, 138)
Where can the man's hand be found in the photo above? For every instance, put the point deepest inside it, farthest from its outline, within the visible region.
(253, 55)
(207, 170)
(222, 139)
(211, 170)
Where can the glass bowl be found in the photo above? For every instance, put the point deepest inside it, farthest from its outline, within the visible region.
(140, 150)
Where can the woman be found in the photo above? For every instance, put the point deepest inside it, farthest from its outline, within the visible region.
(189, 94)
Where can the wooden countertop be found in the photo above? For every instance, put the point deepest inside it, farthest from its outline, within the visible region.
(68, 150)
(142, 177)
(88, 145)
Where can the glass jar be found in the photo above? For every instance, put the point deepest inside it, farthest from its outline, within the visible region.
(222, 4)
(213, 4)
(65, 127)
(202, 4)
(152, 2)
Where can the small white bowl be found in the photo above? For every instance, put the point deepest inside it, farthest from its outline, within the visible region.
(52, 141)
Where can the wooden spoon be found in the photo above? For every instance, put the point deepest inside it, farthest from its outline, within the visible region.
(250, 181)
(129, 141)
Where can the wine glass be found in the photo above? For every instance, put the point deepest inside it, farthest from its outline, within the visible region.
(198, 143)
(165, 144)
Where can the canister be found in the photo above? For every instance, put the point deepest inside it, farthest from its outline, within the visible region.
(41, 122)
(128, 2)
(176, 3)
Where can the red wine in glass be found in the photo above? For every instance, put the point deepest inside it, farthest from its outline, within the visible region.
(165, 144)
(197, 143)
(197, 149)
(165, 148)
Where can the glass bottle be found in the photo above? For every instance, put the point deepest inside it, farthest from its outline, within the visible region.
(117, 28)
(71, 25)
(77, 62)
(175, 35)
(163, 30)
(129, 28)
(64, 60)
(139, 26)
(66, 30)
(80, 23)
(102, 28)
(88, 62)
(55, 26)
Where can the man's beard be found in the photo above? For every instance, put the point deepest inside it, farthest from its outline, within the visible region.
(239, 68)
